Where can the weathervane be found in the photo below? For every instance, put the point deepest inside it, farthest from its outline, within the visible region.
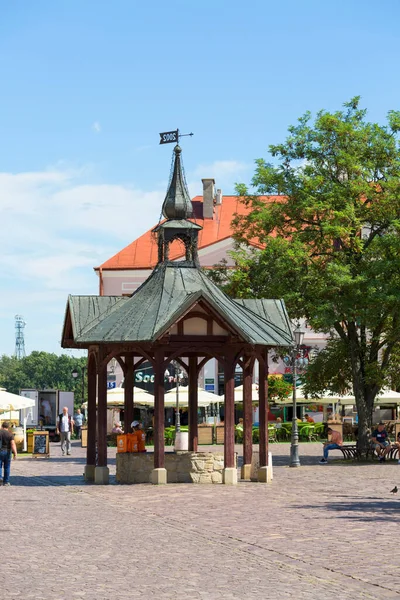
(170, 137)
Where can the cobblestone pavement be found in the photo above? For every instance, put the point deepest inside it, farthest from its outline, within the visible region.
(314, 532)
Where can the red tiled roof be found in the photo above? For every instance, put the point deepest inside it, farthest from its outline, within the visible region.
(143, 253)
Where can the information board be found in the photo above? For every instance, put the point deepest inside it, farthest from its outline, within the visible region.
(40, 446)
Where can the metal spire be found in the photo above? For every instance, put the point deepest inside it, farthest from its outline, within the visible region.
(177, 203)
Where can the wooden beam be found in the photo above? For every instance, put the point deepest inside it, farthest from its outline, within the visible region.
(102, 415)
(121, 363)
(248, 364)
(139, 363)
(229, 410)
(263, 408)
(196, 314)
(210, 326)
(128, 394)
(193, 404)
(91, 414)
(201, 339)
(159, 461)
(203, 362)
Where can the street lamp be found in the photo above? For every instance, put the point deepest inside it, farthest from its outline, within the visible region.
(179, 376)
(75, 374)
(294, 446)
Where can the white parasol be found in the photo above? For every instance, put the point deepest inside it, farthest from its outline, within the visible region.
(10, 402)
(116, 396)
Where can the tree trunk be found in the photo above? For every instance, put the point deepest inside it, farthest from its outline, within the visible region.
(365, 396)
(364, 423)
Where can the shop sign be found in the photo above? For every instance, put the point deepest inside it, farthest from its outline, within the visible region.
(144, 378)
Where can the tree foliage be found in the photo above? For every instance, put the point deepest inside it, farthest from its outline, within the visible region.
(42, 370)
(330, 239)
(278, 388)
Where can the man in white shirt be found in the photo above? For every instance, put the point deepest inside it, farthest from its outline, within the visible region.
(64, 428)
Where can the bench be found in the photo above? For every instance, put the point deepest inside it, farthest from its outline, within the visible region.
(348, 451)
(393, 453)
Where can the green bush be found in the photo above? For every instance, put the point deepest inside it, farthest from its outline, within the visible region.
(238, 436)
(256, 435)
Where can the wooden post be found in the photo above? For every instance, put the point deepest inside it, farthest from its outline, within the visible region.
(230, 472)
(193, 404)
(248, 364)
(264, 472)
(101, 474)
(128, 394)
(91, 420)
(159, 474)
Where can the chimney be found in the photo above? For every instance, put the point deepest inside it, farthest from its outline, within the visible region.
(218, 197)
(208, 198)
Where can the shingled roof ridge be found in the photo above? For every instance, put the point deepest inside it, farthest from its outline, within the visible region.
(109, 310)
(258, 316)
(249, 314)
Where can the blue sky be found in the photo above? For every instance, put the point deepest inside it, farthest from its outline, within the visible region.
(88, 85)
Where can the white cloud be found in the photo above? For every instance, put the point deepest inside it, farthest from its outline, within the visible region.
(225, 172)
(96, 127)
(56, 226)
(220, 168)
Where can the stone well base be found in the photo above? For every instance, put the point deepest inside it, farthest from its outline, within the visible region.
(263, 474)
(181, 466)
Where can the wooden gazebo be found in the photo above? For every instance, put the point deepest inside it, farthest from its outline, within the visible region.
(178, 313)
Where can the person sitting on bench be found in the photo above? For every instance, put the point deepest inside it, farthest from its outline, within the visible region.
(380, 441)
(335, 443)
(392, 447)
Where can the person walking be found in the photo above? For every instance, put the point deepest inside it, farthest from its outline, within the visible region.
(78, 422)
(7, 447)
(64, 428)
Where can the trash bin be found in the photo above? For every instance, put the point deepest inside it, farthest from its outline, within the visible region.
(122, 443)
(132, 443)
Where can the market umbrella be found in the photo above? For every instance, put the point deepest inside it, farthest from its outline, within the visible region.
(239, 394)
(116, 396)
(386, 396)
(10, 402)
(204, 398)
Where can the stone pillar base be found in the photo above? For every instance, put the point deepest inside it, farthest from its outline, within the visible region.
(245, 472)
(230, 476)
(101, 475)
(159, 476)
(265, 474)
(89, 472)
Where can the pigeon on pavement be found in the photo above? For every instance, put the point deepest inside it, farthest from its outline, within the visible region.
(394, 490)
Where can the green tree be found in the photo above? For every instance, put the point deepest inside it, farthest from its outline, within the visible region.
(42, 370)
(331, 245)
(278, 388)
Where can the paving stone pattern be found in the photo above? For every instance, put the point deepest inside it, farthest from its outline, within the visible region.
(325, 532)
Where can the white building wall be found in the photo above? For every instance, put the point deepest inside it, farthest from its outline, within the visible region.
(118, 283)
